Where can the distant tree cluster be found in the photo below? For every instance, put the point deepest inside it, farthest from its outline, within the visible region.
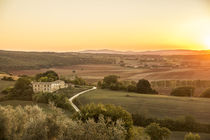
(48, 76)
(76, 81)
(6, 78)
(111, 82)
(186, 124)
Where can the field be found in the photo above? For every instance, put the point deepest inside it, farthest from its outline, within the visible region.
(152, 105)
(94, 72)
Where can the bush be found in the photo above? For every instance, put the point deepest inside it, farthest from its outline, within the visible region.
(93, 111)
(60, 100)
(206, 94)
(7, 90)
(191, 136)
(156, 132)
(131, 88)
(183, 91)
(143, 86)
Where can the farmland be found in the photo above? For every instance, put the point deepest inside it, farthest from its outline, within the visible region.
(152, 105)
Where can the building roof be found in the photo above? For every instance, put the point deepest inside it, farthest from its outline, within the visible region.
(48, 83)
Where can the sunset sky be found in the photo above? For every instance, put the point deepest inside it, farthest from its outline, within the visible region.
(72, 25)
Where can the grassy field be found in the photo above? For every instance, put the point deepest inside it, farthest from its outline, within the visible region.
(180, 136)
(152, 105)
(5, 84)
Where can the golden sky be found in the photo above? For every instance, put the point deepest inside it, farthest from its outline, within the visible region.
(71, 25)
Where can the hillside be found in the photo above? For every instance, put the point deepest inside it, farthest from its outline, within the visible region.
(13, 60)
(152, 105)
(156, 52)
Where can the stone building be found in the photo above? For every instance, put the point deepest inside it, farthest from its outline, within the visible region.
(48, 86)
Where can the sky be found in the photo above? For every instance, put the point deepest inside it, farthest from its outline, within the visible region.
(74, 25)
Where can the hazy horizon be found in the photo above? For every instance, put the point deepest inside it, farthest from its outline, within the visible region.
(138, 25)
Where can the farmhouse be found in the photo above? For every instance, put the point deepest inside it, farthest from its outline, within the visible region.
(48, 86)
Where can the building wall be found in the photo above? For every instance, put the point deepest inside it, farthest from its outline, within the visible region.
(48, 86)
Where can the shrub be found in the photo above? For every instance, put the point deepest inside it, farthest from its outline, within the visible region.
(7, 90)
(183, 91)
(206, 94)
(60, 100)
(143, 86)
(156, 132)
(191, 136)
(131, 88)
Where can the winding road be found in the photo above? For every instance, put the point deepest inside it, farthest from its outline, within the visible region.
(78, 94)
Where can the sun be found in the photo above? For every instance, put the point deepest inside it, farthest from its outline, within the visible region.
(207, 42)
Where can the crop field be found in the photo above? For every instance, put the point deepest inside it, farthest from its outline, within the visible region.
(152, 105)
(94, 72)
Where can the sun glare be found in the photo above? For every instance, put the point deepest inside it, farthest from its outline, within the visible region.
(207, 42)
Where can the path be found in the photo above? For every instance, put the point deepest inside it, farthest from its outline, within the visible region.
(78, 94)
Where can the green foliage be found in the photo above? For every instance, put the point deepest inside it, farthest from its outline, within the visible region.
(31, 123)
(93, 111)
(143, 86)
(7, 91)
(183, 91)
(187, 123)
(22, 90)
(110, 82)
(191, 136)
(139, 134)
(60, 100)
(206, 94)
(156, 132)
(78, 81)
(48, 76)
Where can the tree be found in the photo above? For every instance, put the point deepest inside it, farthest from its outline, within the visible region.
(23, 87)
(206, 94)
(183, 91)
(191, 136)
(143, 86)
(109, 80)
(49, 76)
(156, 132)
(94, 111)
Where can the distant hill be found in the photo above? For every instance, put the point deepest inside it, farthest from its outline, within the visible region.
(158, 52)
(19, 60)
